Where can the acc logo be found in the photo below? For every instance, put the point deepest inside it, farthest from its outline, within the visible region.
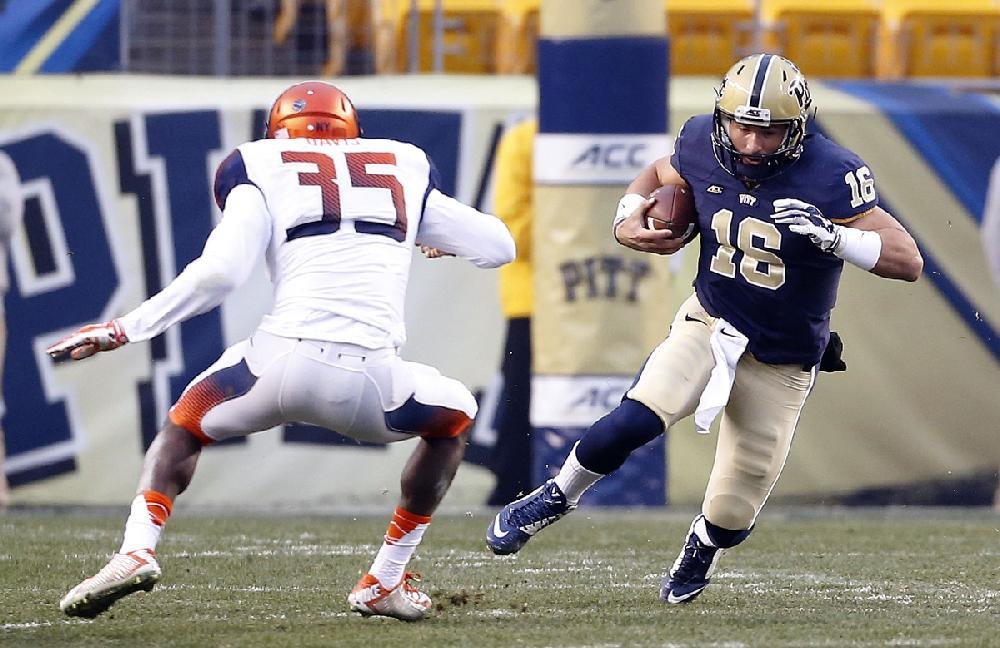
(591, 158)
(299, 105)
(714, 189)
(604, 398)
(612, 155)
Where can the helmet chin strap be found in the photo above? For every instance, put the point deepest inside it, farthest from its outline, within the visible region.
(752, 175)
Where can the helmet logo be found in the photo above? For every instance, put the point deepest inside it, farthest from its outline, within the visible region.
(798, 89)
(299, 105)
(753, 115)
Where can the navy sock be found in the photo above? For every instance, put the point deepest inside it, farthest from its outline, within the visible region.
(606, 445)
(726, 538)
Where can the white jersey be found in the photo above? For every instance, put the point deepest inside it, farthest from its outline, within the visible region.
(337, 222)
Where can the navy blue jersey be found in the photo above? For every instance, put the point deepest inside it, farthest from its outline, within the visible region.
(773, 285)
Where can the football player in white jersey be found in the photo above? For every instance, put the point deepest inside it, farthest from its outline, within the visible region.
(336, 218)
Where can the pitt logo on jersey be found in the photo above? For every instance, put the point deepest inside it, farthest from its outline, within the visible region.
(747, 199)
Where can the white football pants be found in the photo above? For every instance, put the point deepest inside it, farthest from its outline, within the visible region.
(367, 394)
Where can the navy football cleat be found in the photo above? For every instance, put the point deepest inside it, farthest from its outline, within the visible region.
(518, 521)
(691, 571)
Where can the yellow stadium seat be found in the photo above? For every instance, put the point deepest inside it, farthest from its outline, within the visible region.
(943, 38)
(469, 35)
(826, 38)
(707, 36)
(517, 36)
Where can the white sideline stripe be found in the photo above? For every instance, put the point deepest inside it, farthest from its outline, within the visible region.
(283, 550)
(31, 625)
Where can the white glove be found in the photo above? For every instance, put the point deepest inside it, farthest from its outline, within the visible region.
(89, 340)
(808, 220)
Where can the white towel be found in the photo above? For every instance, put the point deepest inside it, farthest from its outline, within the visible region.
(728, 346)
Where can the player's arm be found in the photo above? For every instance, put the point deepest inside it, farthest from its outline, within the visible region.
(455, 228)
(629, 225)
(872, 240)
(230, 254)
(899, 257)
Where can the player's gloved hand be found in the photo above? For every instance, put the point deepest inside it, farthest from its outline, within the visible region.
(89, 340)
(832, 360)
(808, 220)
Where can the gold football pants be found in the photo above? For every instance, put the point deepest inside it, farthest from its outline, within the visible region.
(757, 423)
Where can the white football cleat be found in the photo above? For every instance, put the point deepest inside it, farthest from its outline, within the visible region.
(404, 601)
(124, 574)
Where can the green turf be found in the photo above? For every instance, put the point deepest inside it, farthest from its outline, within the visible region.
(847, 579)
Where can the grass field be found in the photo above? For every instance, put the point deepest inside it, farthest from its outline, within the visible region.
(856, 578)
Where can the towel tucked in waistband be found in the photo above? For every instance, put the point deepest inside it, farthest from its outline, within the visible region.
(728, 346)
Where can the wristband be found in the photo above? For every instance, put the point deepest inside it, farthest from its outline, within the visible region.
(628, 204)
(860, 247)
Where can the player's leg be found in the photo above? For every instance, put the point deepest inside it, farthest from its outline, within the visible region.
(754, 439)
(168, 467)
(440, 411)
(225, 400)
(666, 390)
(386, 588)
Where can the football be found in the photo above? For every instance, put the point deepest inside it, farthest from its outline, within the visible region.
(674, 210)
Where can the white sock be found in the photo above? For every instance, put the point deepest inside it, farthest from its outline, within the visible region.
(701, 531)
(573, 479)
(391, 560)
(141, 530)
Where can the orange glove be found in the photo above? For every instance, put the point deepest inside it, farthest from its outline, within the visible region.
(89, 340)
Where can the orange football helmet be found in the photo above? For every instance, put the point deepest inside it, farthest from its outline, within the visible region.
(313, 109)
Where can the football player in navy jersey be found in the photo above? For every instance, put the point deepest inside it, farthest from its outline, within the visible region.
(779, 211)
